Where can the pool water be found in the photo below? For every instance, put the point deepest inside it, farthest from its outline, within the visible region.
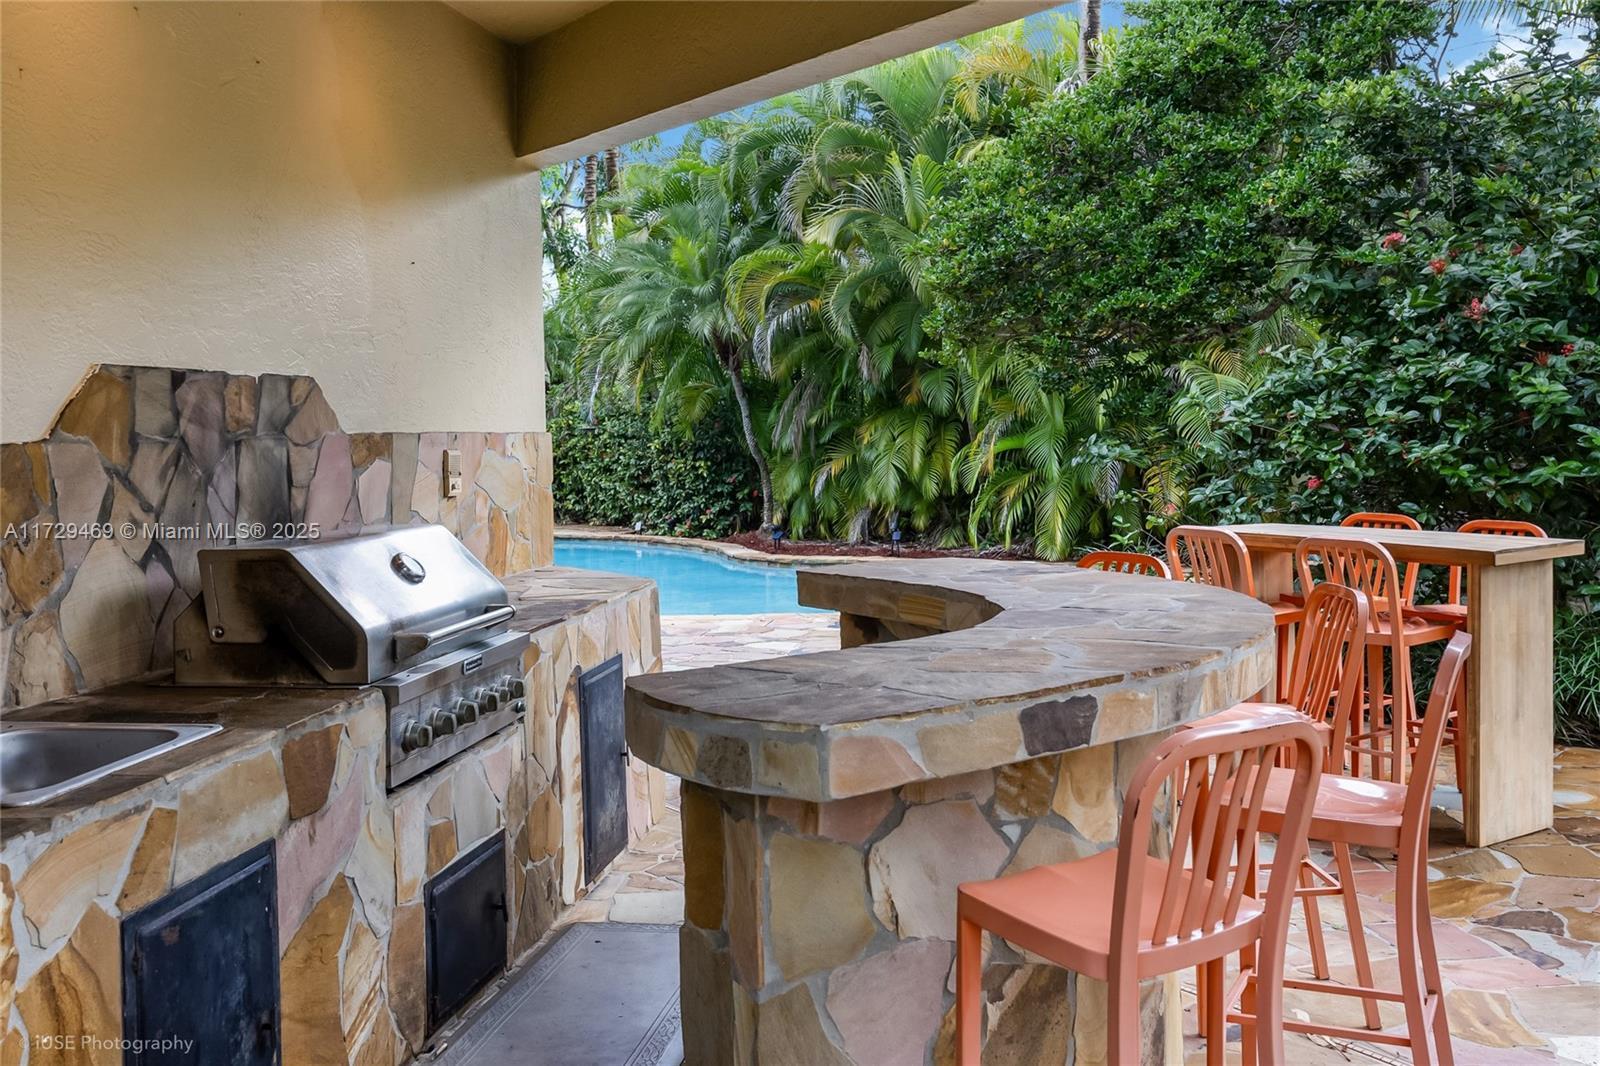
(691, 581)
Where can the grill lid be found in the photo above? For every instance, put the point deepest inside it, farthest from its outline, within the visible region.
(357, 608)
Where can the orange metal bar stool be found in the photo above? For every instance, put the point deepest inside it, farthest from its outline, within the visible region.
(1126, 915)
(1325, 686)
(1218, 557)
(1125, 563)
(1369, 568)
(1359, 812)
(1454, 609)
(1388, 520)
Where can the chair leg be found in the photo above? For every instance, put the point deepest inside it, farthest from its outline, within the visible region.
(1406, 914)
(1314, 938)
(969, 993)
(1122, 1020)
(1202, 1001)
(1374, 716)
(1211, 1013)
(1432, 984)
(1358, 934)
(1283, 663)
(1249, 1000)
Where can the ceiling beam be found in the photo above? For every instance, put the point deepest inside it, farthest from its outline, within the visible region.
(635, 67)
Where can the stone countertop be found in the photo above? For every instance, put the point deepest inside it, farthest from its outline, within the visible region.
(550, 594)
(253, 716)
(1019, 660)
(249, 717)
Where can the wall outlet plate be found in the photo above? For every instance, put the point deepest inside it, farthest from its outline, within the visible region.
(452, 473)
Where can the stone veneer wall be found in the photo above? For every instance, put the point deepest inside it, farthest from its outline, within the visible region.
(352, 861)
(178, 448)
(839, 948)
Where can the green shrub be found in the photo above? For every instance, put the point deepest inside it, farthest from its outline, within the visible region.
(1455, 368)
(1577, 681)
(621, 470)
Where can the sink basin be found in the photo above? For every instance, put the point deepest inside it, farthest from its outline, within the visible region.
(41, 760)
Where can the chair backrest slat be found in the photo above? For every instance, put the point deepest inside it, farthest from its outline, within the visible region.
(1125, 563)
(1217, 774)
(1326, 676)
(1500, 527)
(1212, 557)
(1389, 520)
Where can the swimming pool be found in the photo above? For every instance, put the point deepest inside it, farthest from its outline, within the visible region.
(691, 581)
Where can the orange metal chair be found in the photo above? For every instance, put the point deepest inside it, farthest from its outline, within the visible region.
(1125, 563)
(1218, 557)
(1325, 686)
(1369, 568)
(1354, 812)
(1388, 520)
(1454, 609)
(1124, 915)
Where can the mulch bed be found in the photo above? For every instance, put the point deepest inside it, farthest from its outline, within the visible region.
(761, 543)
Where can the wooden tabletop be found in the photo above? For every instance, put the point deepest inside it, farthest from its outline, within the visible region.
(1420, 546)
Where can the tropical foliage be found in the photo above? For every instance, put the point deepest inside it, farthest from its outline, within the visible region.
(993, 293)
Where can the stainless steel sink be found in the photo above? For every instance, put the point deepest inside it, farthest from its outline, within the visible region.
(41, 760)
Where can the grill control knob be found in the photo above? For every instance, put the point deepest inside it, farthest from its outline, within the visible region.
(487, 699)
(443, 723)
(516, 688)
(466, 712)
(415, 737)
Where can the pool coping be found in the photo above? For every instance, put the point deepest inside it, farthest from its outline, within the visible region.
(710, 547)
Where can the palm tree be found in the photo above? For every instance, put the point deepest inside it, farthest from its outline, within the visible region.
(661, 321)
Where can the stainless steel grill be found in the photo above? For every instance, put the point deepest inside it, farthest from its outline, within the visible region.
(408, 610)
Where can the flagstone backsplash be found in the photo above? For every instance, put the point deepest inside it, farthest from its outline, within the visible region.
(144, 466)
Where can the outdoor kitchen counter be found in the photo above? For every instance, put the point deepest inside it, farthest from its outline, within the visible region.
(1012, 661)
(980, 718)
(251, 718)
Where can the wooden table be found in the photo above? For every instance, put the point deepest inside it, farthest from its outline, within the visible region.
(1510, 727)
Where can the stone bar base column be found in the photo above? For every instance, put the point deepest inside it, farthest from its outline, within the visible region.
(824, 933)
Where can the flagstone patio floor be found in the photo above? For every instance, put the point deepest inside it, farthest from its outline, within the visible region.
(1518, 924)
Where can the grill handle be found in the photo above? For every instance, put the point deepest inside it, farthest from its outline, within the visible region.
(412, 643)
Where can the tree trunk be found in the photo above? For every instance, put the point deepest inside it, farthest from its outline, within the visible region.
(1089, 41)
(734, 365)
(611, 170)
(591, 192)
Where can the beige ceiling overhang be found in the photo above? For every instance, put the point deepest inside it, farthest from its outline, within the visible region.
(594, 75)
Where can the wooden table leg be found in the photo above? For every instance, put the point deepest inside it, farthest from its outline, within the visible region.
(1274, 574)
(1510, 727)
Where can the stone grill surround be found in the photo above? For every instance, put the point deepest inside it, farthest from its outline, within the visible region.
(176, 448)
(304, 767)
(982, 718)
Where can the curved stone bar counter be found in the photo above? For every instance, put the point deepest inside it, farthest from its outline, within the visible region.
(981, 718)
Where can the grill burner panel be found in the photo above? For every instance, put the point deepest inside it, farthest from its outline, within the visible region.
(408, 610)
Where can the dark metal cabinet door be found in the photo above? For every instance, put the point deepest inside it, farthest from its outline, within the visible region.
(605, 766)
(200, 970)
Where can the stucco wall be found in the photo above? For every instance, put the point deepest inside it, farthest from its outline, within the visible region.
(323, 189)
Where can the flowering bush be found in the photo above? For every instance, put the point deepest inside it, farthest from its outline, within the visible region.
(1454, 371)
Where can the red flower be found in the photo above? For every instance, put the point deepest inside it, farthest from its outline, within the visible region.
(1391, 241)
(1516, 249)
(1541, 358)
(1475, 310)
(1567, 349)
(1170, 508)
(1437, 265)
(1313, 482)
